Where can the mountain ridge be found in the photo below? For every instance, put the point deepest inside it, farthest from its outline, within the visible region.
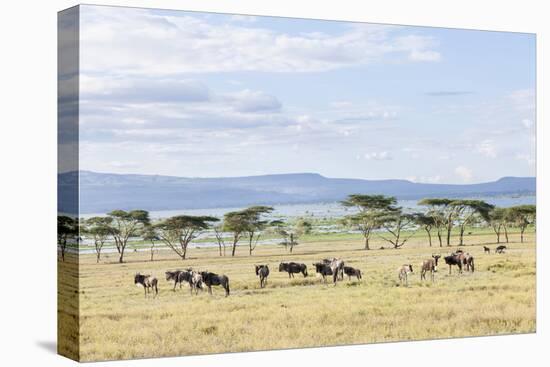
(102, 192)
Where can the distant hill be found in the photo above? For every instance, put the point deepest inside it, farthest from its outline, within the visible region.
(102, 192)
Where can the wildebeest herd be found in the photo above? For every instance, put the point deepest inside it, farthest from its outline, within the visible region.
(333, 267)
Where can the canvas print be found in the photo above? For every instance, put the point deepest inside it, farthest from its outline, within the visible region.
(232, 183)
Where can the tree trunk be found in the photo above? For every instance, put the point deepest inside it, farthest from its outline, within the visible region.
(235, 240)
(449, 228)
(367, 247)
(429, 236)
(439, 237)
(98, 256)
(461, 240)
(121, 257)
(506, 233)
(522, 230)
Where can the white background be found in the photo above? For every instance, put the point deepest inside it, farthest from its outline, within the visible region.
(28, 181)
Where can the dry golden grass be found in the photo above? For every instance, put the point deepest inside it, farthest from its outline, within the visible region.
(118, 322)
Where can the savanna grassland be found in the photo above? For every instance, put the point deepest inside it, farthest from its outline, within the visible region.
(118, 322)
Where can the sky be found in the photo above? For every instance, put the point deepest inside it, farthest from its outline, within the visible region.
(214, 95)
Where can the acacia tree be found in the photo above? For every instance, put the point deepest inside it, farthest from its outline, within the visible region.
(218, 232)
(67, 232)
(237, 223)
(291, 232)
(442, 214)
(149, 234)
(124, 225)
(177, 232)
(464, 211)
(522, 216)
(395, 222)
(427, 223)
(256, 224)
(100, 230)
(497, 221)
(371, 208)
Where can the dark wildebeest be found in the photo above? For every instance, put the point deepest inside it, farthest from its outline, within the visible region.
(178, 276)
(486, 250)
(403, 273)
(263, 272)
(460, 259)
(454, 259)
(149, 283)
(352, 272)
(429, 265)
(322, 269)
(211, 279)
(500, 249)
(292, 268)
(337, 267)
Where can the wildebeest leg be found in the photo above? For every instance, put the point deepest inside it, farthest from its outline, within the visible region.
(450, 269)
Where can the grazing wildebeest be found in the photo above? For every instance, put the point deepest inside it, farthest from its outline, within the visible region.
(337, 267)
(292, 268)
(211, 279)
(486, 250)
(322, 269)
(352, 272)
(468, 261)
(178, 276)
(500, 249)
(263, 272)
(149, 283)
(195, 281)
(429, 265)
(403, 273)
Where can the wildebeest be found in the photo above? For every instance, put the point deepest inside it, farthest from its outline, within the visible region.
(263, 272)
(149, 283)
(211, 279)
(195, 281)
(337, 267)
(486, 250)
(178, 276)
(292, 268)
(430, 265)
(460, 259)
(352, 272)
(322, 269)
(500, 249)
(454, 259)
(468, 261)
(403, 273)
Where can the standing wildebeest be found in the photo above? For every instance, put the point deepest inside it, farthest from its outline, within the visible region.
(454, 259)
(403, 273)
(486, 250)
(468, 261)
(431, 266)
(323, 269)
(337, 267)
(263, 272)
(500, 249)
(211, 279)
(352, 272)
(195, 281)
(178, 276)
(292, 268)
(149, 283)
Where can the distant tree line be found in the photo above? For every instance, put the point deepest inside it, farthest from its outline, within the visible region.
(373, 215)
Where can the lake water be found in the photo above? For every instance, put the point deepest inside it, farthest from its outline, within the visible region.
(334, 209)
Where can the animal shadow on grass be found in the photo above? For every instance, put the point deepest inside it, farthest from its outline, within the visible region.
(48, 345)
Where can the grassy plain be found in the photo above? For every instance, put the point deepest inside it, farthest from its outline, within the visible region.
(118, 322)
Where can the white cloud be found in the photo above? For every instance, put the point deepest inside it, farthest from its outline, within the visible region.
(464, 173)
(425, 179)
(527, 158)
(527, 123)
(140, 41)
(487, 148)
(378, 156)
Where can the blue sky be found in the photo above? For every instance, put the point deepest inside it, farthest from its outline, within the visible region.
(207, 95)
